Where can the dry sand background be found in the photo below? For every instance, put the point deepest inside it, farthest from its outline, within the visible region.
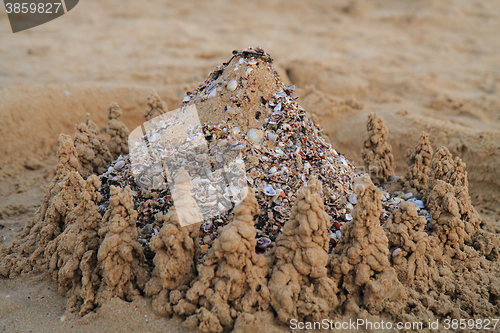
(423, 65)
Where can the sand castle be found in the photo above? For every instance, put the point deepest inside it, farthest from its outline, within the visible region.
(309, 241)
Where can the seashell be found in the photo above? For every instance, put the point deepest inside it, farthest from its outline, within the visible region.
(418, 203)
(144, 181)
(252, 62)
(277, 108)
(338, 234)
(232, 140)
(396, 252)
(263, 242)
(211, 189)
(255, 135)
(157, 182)
(348, 217)
(186, 99)
(248, 71)
(219, 158)
(241, 61)
(201, 157)
(343, 161)
(408, 195)
(155, 137)
(353, 198)
(239, 146)
(212, 92)
(231, 86)
(119, 165)
(271, 136)
(349, 206)
(268, 190)
(236, 130)
(395, 201)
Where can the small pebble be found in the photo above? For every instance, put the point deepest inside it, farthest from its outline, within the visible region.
(408, 195)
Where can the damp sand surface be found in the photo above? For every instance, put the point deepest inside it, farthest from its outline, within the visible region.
(435, 69)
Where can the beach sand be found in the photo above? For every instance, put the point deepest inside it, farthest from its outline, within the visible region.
(426, 66)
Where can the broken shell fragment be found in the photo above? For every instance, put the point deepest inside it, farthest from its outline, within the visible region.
(353, 198)
(268, 190)
(396, 252)
(231, 86)
(255, 135)
(263, 242)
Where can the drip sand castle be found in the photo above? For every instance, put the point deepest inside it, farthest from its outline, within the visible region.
(312, 238)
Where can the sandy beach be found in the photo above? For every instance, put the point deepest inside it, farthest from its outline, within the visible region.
(428, 66)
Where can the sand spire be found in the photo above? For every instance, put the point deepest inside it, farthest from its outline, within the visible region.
(156, 106)
(361, 260)
(300, 287)
(232, 277)
(176, 248)
(418, 160)
(376, 152)
(118, 132)
(120, 256)
(92, 151)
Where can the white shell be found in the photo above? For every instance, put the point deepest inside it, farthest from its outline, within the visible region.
(272, 136)
(186, 99)
(353, 198)
(396, 252)
(231, 86)
(418, 203)
(255, 135)
(212, 93)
